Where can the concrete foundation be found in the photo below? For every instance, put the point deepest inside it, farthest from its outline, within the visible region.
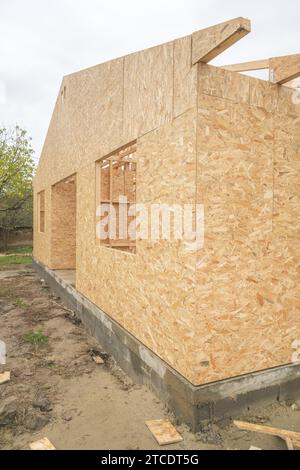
(191, 404)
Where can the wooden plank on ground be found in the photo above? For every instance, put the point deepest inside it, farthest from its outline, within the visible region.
(164, 432)
(4, 377)
(291, 438)
(42, 444)
(98, 360)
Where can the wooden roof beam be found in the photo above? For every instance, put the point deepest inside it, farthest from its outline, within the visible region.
(284, 69)
(293, 84)
(248, 66)
(210, 42)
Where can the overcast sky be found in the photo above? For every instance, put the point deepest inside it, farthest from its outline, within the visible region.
(43, 40)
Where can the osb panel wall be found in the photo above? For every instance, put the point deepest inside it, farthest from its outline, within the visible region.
(151, 293)
(185, 77)
(86, 125)
(112, 104)
(148, 90)
(248, 181)
(63, 227)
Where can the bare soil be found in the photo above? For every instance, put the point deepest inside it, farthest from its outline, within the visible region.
(57, 390)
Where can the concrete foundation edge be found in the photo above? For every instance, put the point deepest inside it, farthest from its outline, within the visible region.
(191, 404)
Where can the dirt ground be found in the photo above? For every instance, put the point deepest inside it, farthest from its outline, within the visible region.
(57, 390)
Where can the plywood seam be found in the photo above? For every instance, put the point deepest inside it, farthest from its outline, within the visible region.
(173, 92)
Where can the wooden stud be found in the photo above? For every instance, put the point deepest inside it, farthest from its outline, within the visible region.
(118, 164)
(210, 42)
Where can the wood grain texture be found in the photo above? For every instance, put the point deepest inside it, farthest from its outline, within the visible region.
(185, 77)
(284, 69)
(290, 437)
(210, 42)
(63, 225)
(164, 432)
(148, 90)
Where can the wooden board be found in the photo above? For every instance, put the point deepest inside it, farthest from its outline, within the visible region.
(4, 377)
(210, 42)
(248, 66)
(284, 69)
(293, 84)
(185, 77)
(290, 437)
(98, 360)
(42, 444)
(164, 432)
(148, 90)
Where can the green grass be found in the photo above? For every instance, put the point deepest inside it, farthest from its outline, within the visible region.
(36, 338)
(11, 260)
(20, 303)
(24, 249)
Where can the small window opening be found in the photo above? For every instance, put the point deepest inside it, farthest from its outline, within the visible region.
(117, 197)
(41, 209)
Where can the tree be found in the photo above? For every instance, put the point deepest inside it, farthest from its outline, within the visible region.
(16, 173)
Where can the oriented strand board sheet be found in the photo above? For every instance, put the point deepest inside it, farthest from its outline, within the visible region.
(222, 83)
(164, 432)
(148, 90)
(42, 444)
(86, 125)
(185, 77)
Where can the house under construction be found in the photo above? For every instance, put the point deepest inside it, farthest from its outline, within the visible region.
(211, 328)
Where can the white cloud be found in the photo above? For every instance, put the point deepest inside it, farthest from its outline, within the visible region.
(43, 40)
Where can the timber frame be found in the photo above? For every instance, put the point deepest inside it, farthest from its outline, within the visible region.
(282, 70)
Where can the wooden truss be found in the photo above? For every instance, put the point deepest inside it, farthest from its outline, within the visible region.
(210, 42)
(282, 70)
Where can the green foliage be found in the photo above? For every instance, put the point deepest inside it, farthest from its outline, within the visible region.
(16, 173)
(36, 338)
(23, 249)
(11, 260)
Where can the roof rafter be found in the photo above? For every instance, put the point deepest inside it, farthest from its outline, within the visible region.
(210, 42)
(283, 69)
